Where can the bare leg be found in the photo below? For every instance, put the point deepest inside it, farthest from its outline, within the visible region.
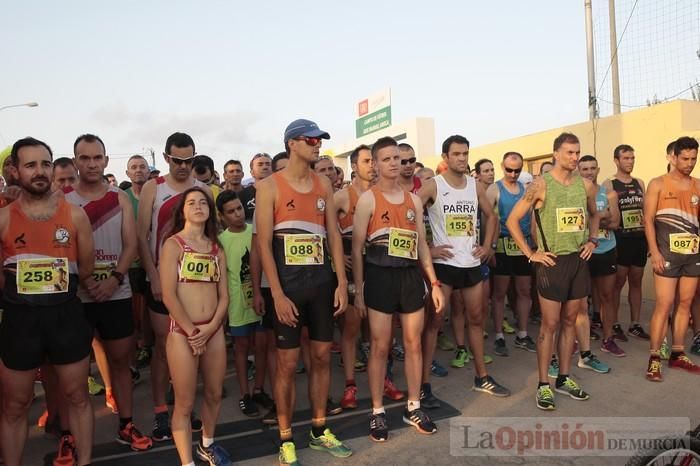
(184, 379)
(551, 311)
(213, 364)
(380, 325)
(412, 326)
(473, 302)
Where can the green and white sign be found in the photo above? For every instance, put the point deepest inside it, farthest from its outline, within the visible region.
(373, 113)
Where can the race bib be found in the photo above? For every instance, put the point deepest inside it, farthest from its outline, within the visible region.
(103, 270)
(683, 243)
(247, 291)
(403, 243)
(42, 276)
(510, 247)
(631, 219)
(570, 220)
(303, 249)
(459, 225)
(199, 267)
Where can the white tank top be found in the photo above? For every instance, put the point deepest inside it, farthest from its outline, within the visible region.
(105, 216)
(453, 220)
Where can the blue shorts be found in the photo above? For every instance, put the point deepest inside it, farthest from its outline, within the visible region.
(246, 330)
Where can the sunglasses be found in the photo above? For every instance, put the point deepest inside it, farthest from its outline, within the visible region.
(407, 161)
(181, 161)
(513, 170)
(310, 141)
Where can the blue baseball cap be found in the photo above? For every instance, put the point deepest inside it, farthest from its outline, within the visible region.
(302, 127)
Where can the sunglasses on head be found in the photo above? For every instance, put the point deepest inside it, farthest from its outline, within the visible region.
(181, 161)
(513, 170)
(407, 161)
(309, 140)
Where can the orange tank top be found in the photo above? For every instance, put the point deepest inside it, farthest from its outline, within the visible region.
(392, 238)
(40, 257)
(345, 223)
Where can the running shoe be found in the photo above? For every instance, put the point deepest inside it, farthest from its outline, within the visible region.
(487, 359)
(135, 375)
(594, 364)
(270, 417)
(421, 421)
(526, 343)
(349, 400)
(251, 370)
(65, 456)
(594, 335)
(637, 331)
(684, 362)
(536, 318)
(571, 388)
(41, 422)
(654, 370)
(437, 370)
(500, 347)
(288, 455)
(427, 399)
(333, 408)
(161, 428)
(248, 406)
(391, 392)
(695, 346)
(263, 399)
(596, 323)
(111, 403)
(618, 333)
(665, 350)
(462, 357)
(507, 328)
(545, 398)
(95, 388)
(489, 385)
(214, 454)
(300, 368)
(444, 343)
(358, 367)
(329, 443)
(335, 348)
(553, 370)
(609, 346)
(131, 436)
(398, 352)
(143, 357)
(378, 430)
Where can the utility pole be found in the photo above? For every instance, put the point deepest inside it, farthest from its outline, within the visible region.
(592, 98)
(613, 58)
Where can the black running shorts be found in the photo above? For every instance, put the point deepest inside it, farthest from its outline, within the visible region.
(112, 320)
(632, 251)
(315, 307)
(603, 264)
(267, 321)
(137, 280)
(459, 277)
(512, 266)
(31, 335)
(394, 289)
(567, 280)
(156, 306)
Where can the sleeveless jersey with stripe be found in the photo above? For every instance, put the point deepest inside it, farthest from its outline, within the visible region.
(211, 257)
(164, 202)
(563, 216)
(386, 216)
(25, 238)
(453, 220)
(676, 213)
(298, 213)
(506, 202)
(606, 238)
(105, 216)
(630, 199)
(345, 223)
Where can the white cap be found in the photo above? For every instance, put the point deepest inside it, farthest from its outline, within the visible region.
(525, 177)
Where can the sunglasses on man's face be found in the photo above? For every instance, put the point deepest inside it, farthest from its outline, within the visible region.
(310, 141)
(181, 161)
(407, 161)
(513, 170)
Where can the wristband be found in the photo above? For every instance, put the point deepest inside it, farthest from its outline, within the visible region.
(436, 283)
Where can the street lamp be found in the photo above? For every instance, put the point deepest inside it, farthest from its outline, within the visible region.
(28, 104)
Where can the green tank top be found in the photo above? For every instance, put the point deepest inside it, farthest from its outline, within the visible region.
(134, 202)
(563, 216)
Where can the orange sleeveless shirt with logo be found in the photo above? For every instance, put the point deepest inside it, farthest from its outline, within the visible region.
(345, 223)
(676, 221)
(299, 242)
(40, 257)
(392, 225)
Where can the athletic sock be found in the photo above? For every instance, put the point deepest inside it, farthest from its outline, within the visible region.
(500, 335)
(585, 354)
(376, 411)
(207, 442)
(317, 431)
(191, 463)
(123, 421)
(522, 335)
(561, 378)
(412, 405)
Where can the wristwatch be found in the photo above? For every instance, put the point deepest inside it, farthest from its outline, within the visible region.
(594, 240)
(494, 246)
(118, 275)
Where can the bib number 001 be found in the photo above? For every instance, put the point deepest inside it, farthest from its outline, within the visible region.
(199, 267)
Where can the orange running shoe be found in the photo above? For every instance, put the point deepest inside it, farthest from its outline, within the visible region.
(349, 400)
(390, 390)
(66, 452)
(131, 436)
(41, 422)
(654, 370)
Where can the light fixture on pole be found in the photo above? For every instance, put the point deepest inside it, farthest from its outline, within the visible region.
(27, 104)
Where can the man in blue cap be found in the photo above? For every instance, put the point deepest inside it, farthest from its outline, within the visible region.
(297, 234)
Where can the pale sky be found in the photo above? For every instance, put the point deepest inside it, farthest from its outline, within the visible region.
(234, 74)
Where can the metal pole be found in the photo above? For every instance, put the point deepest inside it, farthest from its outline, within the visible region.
(613, 59)
(591, 60)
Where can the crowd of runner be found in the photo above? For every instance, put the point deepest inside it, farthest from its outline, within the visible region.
(167, 270)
